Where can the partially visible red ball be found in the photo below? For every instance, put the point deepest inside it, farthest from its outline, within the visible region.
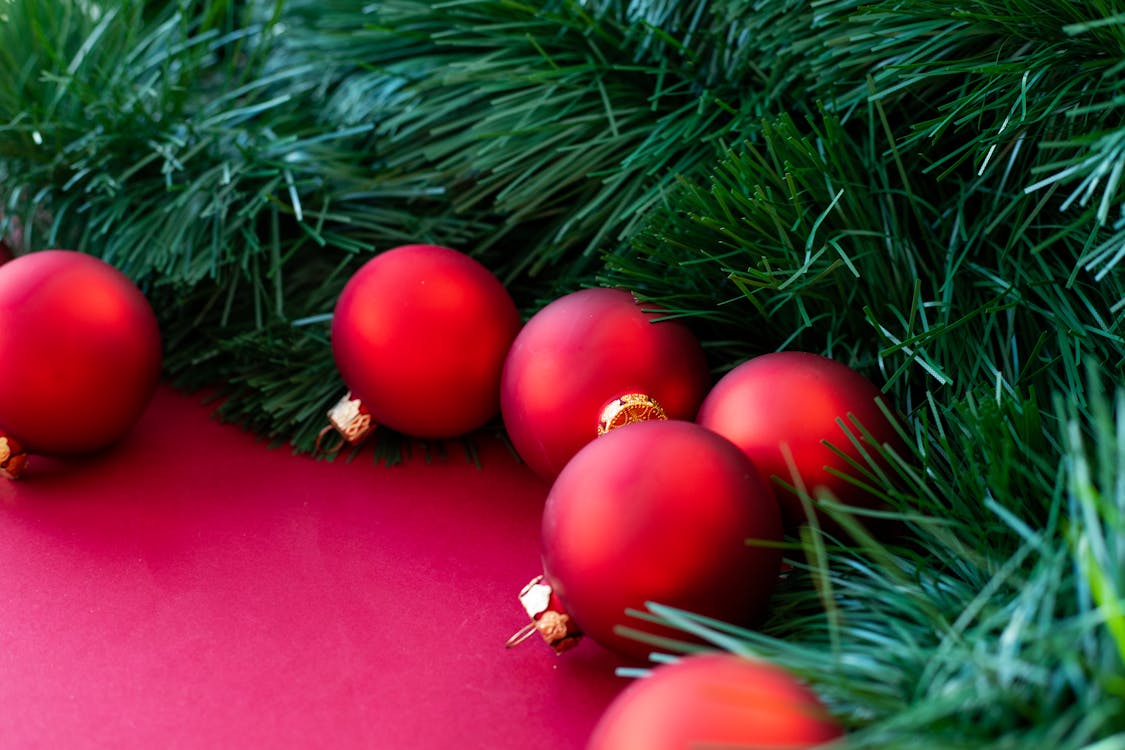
(659, 511)
(794, 399)
(6, 253)
(80, 352)
(419, 334)
(715, 700)
(580, 353)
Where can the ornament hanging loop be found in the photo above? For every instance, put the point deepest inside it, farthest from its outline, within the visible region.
(320, 449)
(521, 635)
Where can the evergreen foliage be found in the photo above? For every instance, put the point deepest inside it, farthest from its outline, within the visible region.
(930, 192)
(995, 620)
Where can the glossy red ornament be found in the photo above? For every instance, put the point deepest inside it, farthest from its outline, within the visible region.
(659, 511)
(715, 700)
(419, 334)
(80, 352)
(581, 353)
(795, 399)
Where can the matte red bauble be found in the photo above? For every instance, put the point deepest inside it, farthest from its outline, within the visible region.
(659, 511)
(419, 334)
(587, 351)
(80, 352)
(796, 399)
(714, 700)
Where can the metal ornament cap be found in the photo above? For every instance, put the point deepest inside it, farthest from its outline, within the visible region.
(351, 420)
(13, 458)
(548, 618)
(632, 407)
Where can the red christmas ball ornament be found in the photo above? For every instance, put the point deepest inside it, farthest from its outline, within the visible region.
(590, 361)
(715, 700)
(6, 253)
(794, 401)
(80, 354)
(657, 511)
(419, 334)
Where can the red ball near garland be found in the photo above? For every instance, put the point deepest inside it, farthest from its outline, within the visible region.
(419, 334)
(658, 511)
(715, 700)
(6, 253)
(80, 353)
(583, 353)
(795, 399)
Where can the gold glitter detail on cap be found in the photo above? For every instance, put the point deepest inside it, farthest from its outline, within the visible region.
(632, 407)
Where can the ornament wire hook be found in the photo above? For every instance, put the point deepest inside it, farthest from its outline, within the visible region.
(521, 635)
(336, 447)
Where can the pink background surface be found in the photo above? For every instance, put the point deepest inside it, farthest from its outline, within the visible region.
(193, 588)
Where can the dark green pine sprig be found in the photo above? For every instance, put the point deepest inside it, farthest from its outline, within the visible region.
(566, 122)
(865, 222)
(829, 241)
(970, 293)
(989, 86)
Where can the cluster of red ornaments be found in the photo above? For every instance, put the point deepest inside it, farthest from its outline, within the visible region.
(664, 487)
(430, 344)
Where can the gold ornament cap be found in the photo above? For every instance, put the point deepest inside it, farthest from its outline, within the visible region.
(548, 618)
(13, 458)
(351, 421)
(632, 407)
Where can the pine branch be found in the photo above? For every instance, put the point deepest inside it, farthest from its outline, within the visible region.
(829, 238)
(566, 121)
(989, 85)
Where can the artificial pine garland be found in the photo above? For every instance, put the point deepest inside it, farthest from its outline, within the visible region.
(930, 193)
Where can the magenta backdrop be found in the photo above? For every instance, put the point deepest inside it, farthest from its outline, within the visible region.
(193, 588)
